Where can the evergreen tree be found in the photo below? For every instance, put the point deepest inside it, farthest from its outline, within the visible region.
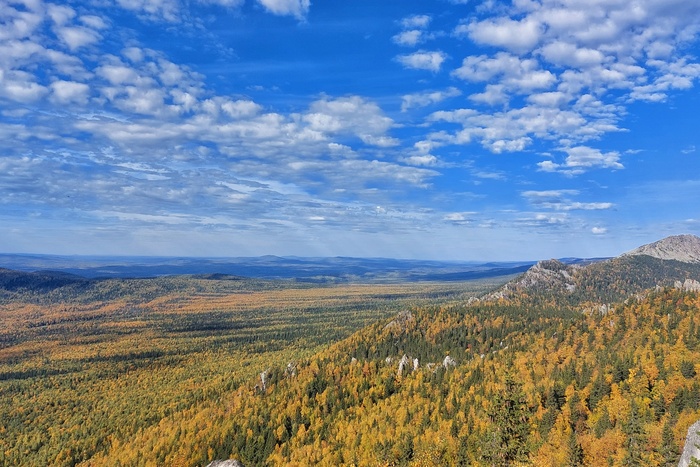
(669, 449)
(574, 451)
(511, 418)
(635, 443)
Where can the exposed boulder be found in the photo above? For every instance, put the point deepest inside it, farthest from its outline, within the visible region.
(448, 362)
(401, 323)
(403, 364)
(690, 285)
(291, 370)
(225, 463)
(691, 449)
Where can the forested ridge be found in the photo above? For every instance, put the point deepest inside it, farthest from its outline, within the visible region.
(182, 371)
(527, 387)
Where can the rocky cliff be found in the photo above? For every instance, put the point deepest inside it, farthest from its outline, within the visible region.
(691, 449)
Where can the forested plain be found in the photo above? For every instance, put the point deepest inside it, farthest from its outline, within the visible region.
(90, 370)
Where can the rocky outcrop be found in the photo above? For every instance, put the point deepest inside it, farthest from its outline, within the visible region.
(448, 362)
(401, 323)
(550, 275)
(692, 441)
(226, 463)
(683, 248)
(403, 364)
(689, 285)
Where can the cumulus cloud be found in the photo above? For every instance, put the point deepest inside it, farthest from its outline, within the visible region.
(409, 38)
(565, 71)
(421, 160)
(351, 115)
(296, 8)
(423, 60)
(66, 92)
(513, 35)
(77, 36)
(582, 158)
(513, 73)
(416, 21)
(424, 99)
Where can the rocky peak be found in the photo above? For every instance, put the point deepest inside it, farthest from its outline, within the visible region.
(551, 275)
(684, 248)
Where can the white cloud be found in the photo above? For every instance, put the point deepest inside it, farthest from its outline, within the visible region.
(564, 70)
(77, 36)
(513, 73)
(416, 21)
(118, 74)
(350, 115)
(20, 86)
(537, 196)
(66, 92)
(241, 108)
(421, 160)
(224, 3)
(296, 8)
(459, 218)
(93, 21)
(516, 36)
(423, 60)
(566, 54)
(409, 38)
(549, 99)
(155, 10)
(582, 158)
(599, 230)
(493, 95)
(60, 14)
(20, 24)
(424, 99)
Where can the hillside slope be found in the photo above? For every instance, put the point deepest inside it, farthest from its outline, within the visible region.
(471, 385)
(536, 373)
(660, 264)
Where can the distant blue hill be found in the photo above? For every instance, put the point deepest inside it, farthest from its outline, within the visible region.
(332, 269)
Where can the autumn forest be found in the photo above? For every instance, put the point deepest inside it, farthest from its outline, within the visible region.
(185, 370)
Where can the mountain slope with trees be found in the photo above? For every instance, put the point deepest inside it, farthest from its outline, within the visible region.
(589, 365)
(549, 375)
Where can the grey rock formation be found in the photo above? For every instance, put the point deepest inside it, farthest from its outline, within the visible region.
(403, 364)
(401, 323)
(551, 275)
(226, 463)
(684, 248)
(291, 370)
(690, 285)
(692, 441)
(448, 362)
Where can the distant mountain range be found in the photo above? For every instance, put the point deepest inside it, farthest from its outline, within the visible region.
(675, 258)
(337, 269)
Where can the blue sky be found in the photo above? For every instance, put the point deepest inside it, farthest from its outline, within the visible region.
(460, 129)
